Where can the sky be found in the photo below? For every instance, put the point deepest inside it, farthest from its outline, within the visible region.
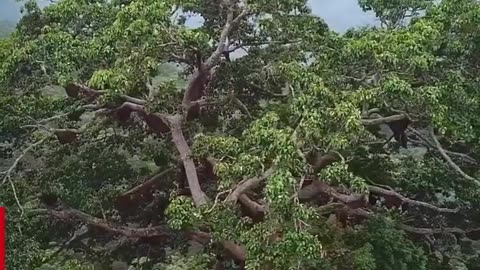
(342, 14)
(338, 14)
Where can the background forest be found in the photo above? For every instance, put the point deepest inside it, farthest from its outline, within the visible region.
(6, 28)
(260, 140)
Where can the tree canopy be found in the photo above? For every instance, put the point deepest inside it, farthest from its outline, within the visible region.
(260, 139)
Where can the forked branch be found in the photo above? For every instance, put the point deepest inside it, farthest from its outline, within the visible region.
(7, 174)
(450, 162)
(196, 86)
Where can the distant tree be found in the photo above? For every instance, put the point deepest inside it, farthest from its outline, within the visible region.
(6, 28)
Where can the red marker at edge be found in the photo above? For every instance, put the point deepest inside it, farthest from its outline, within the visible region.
(2, 238)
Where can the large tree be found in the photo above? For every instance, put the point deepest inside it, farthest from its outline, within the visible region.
(258, 140)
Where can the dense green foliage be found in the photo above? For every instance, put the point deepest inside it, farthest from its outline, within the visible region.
(130, 139)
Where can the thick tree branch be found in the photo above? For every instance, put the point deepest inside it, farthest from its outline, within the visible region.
(155, 121)
(162, 123)
(384, 120)
(75, 89)
(309, 192)
(73, 214)
(237, 252)
(134, 100)
(199, 197)
(329, 208)
(319, 161)
(196, 86)
(358, 200)
(318, 187)
(255, 209)
(248, 184)
(227, 28)
(234, 250)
